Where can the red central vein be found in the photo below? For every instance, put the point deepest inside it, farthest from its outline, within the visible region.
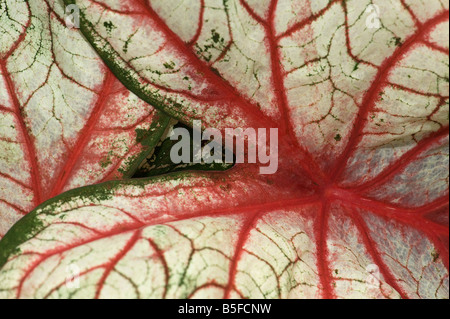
(30, 148)
(85, 135)
(308, 164)
(256, 116)
(379, 82)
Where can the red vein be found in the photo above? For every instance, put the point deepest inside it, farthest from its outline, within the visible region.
(85, 135)
(371, 96)
(436, 47)
(160, 255)
(257, 117)
(21, 37)
(413, 217)
(412, 14)
(200, 23)
(243, 237)
(312, 169)
(81, 274)
(252, 13)
(375, 254)
(413, 91)
(352, 199)
(23, 212)
(321, 227)
(205, 286)
(441, 247)
(30, 148)
(400, 164)
(131, 242)
(138, 226)
(348, 38)
(15, 180)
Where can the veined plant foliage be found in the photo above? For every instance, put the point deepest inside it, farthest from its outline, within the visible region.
(358, 89)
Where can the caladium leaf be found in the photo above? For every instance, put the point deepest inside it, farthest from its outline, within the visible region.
(65, 120)
(359, 205)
